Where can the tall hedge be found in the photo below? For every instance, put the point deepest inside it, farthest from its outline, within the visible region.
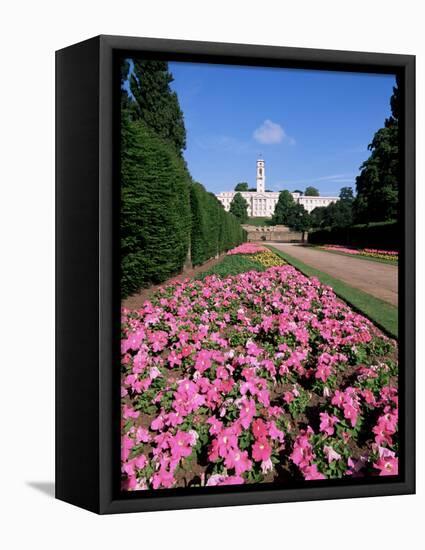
(385, 235)
(165, 217)
(155, 208)
(213, 229)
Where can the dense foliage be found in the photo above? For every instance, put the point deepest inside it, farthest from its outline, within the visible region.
(166, 218)
(379, 180)
(155, 208)
(283, 208)
(336, 214)
(239, 208)
(311, 192)
(382, 235)
(155, 103)
(213, 229)
(288, 212)
(242, 186)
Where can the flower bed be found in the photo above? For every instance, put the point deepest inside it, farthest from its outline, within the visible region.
(390, 255)
(260, 254)
(258, 377)
(247, 248)
(268, 259)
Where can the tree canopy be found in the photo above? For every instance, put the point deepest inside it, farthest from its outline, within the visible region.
(155, 103)
(242, 186)
(336, 214)
(167, 219)
(299, 218)
(378, 183)
(283, 210)
(311, 192)
(239, 208)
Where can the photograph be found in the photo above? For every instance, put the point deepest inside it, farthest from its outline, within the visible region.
(260, 236)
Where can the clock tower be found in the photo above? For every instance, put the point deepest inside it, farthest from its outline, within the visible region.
(261, 176)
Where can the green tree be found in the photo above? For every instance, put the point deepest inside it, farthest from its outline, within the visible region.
(346, 194)
(239, 208)
(155, 207)
(155, 103)
(242, 186)
(318, 217)
(299, 219)
(378, 183)
(297, 191)
(336, 214)
(283, 210)
(311, 192)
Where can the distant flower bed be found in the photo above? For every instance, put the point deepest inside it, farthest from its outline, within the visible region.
(264, 256)
(258, 377)
(247, 248)
(268, 259)
(390, 255)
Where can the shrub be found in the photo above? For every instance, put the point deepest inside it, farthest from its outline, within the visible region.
(155, 209)
(164, 214)
(385, 235)
(213, 229)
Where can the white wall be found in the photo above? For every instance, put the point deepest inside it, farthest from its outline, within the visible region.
(30, 32)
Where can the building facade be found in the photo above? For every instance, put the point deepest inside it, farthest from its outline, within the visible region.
(261, 203)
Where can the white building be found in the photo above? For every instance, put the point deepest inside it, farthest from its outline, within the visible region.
(261, 203)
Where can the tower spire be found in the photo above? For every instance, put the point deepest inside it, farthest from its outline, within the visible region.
(261, 175)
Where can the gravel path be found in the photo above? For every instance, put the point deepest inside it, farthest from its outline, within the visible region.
(378, 279)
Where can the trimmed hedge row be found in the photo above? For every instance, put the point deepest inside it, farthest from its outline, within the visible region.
(385, 235)
(213, 229)
(166, 219)
(155, 210)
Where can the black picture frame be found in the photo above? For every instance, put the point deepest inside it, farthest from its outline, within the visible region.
(87, 325)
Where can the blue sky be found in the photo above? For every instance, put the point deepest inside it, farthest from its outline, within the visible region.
(311, 127)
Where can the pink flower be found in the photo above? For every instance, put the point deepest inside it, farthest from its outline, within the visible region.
(261, 450)
(327, 423)
(331, 454)
(142, 435)
(275, 433)
(203, 361)
(302, 453)
(216, 425)
(180, 445)
(266, 466)
(126, 446)
(248, 410)
(259, 428)
(129, 412)
(226, 440)
(158, 340)
(238, 460)
(220, 479)
(163, 478)
(311, 472)
(388, 466)
(288, 396)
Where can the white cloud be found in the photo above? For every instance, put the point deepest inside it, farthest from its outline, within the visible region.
(270, 132)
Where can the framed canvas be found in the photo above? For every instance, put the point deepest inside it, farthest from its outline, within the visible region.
(235, 274)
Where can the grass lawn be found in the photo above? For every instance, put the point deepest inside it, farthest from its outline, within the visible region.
(258, 221)
(381, 313)
(359, 256)
(232, 265)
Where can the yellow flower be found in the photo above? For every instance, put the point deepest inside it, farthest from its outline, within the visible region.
(268, 259)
